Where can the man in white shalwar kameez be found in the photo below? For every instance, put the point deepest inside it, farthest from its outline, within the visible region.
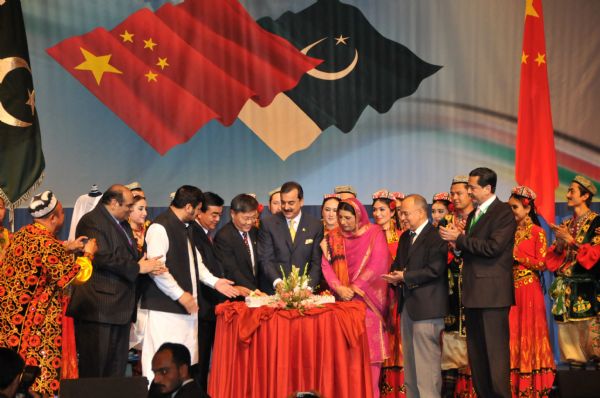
(171, 298)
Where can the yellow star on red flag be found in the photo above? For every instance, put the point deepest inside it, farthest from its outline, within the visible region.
(97, 64)
(150, 44)
(127, 37)
(540, 59)
(151, 76)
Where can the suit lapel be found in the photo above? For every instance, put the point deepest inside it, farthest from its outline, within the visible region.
(483, 219)
(285, 231)
(419, 240)
(121, 233)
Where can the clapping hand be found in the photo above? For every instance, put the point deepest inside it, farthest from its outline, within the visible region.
(449, 233)
(562, 233)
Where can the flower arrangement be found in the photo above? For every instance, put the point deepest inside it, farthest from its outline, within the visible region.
(292, 294)
(294, 291)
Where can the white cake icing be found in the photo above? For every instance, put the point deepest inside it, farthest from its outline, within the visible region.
(258, 301)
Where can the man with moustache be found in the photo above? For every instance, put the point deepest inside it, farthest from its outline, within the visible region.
(486, 247)
(206, 223)
(172, 298)
(575, 257)
(172, 375)
(290, 238)
(104, 307)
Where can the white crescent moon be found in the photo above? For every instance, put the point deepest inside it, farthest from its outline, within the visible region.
(319, 74)
(7, 65)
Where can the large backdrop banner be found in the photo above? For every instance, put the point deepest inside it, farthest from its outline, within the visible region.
(240, 96)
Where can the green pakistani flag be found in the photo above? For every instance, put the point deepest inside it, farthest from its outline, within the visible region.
(21, 158)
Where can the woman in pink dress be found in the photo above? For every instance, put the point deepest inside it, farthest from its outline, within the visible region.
(354, 258)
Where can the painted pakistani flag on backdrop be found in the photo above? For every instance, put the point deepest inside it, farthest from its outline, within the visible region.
(21, 158)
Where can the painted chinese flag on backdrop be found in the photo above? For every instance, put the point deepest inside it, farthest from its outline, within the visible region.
(535, 163)
(169, 72)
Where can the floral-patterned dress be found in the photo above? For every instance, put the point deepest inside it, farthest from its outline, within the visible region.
(35, 269)
(531, 359)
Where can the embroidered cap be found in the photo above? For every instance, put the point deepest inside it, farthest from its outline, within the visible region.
(445, 196)
(587, 184)
(398, 195)
(345, 189)
(42, 204)
(383, 194)
(273, 192)
(524, 191)
(134, 186)
(332, 195)
(460, 179)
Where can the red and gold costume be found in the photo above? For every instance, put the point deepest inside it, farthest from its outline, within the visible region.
(531, 360)
(35, 269)
(392, 381)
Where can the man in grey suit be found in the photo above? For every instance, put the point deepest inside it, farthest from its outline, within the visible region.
(488, 293)
(420, 268)
(290, 238)
(104, 307)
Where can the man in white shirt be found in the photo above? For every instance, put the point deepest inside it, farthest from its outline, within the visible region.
(172, 298)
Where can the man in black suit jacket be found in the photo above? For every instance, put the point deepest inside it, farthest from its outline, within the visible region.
(206, 222)
(488, 292)
(290, 238)
(172, 377)
(420, 266)
(104, 307)
(236, 244)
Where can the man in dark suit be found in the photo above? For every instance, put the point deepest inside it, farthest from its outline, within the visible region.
(420, 268)
(206, 222)
(236, 244)
(172, 378)
(104, 307)
(488, 293)
(290, 238)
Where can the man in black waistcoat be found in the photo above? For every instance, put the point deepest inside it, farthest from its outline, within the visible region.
(172, 298)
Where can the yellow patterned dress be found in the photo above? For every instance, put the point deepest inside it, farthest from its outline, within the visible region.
(35, 269)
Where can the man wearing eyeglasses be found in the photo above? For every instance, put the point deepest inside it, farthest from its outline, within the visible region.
(236, 244)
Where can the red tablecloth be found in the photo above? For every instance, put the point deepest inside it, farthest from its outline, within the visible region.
(268, 353)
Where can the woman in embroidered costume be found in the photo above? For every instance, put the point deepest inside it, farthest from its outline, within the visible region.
(531, 360)
(385, 215)
(354, 258)
(440, 207)
(35, 269)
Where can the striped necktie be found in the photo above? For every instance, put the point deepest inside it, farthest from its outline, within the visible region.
(292, 229)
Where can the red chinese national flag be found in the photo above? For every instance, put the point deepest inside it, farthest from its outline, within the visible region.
(160, 111)
(227, 35)
(535, 163)
(168, 73)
